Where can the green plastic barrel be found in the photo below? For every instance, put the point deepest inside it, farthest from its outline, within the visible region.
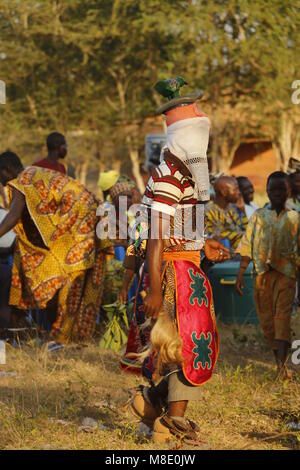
(230, 307)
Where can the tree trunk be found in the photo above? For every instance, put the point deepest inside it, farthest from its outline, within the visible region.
(296, 145)
(83, 172)
(81, 169)
(116, 165)
(77, 171)
(214, 150)
(286, 142)
(276, 150)
(134, 157)
(223, 152)
(133, 153)
(231, 148)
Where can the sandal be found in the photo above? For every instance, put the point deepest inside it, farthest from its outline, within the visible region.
(142, 409)
(166, 428)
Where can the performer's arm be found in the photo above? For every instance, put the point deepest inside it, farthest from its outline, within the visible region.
(154, 299)
(15, 213)
(160, 225)
(215, 251)
(129, 274)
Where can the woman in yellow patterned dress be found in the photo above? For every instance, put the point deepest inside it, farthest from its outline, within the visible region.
(57, 251)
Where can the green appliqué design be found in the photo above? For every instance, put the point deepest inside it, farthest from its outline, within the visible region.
(202, 350)
(198, 288)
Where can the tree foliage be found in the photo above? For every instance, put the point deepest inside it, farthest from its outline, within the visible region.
(87, 68)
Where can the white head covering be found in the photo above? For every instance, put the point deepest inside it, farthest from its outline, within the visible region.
(188, 140)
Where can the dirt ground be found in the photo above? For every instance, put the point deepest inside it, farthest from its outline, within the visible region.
(244, 406)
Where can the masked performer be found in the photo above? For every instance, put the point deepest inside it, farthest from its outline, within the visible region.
(179, 300)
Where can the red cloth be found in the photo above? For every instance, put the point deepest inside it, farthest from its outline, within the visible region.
(45, 163)
(196, 322)
(196, 325)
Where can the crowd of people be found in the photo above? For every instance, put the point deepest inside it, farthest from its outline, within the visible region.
(57, 262)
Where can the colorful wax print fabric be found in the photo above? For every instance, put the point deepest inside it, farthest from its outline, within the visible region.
(57, 251)
(273, 241)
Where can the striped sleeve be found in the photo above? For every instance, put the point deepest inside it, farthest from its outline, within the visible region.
(240, 221)
(167, 193)
(217, 227)
(213, 222)
(245, 221)
(209, 223)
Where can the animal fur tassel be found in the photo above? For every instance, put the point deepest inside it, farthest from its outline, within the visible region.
(165, 341)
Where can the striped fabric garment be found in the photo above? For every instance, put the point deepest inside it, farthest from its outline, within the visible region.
(172, 192)
(168, 187)
(225, 223)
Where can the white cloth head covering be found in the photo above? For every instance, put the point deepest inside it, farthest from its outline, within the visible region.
(188, 140)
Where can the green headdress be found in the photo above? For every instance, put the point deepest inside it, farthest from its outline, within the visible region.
(170, 89)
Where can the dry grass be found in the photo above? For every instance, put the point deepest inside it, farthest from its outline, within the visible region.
(242, 406)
